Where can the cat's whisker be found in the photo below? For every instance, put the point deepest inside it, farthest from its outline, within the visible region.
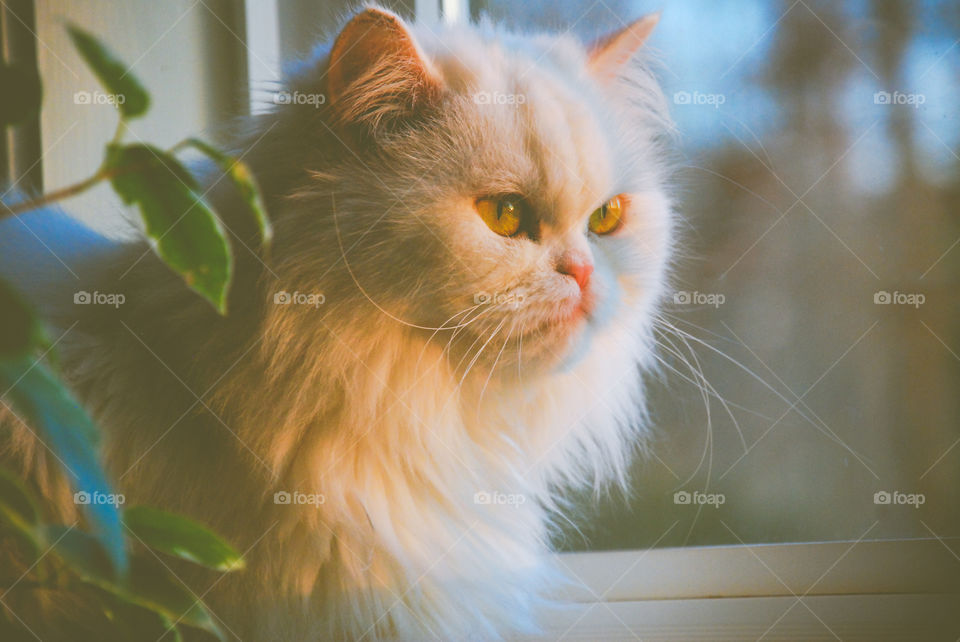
(709, 425)
(708, 442)
(687, 335)
(706, 390)
(449, 346)
(459, 386)
(666, 325)
(740, 365)
(479, 352)
(727, 357)
(795, 405)
(695, 368)
(523, 326)
(708, 445)
(559, 511)
(713, 393)
(353, 277)
(460, 328)
(443, 325)
(506, 340)
(478, 338)
(726, 407)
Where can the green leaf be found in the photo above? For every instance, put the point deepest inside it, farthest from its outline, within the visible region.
(82, 552)
(135, 622)
(148, 583)
(20, 332)
(245, 182)
(184, 230)
(17, 507)
(22, 93)
(70, 434)
(152, 585)
(182, 537)
(132, 99)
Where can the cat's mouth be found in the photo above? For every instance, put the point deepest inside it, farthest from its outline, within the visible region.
(567, 320)
(538, 335)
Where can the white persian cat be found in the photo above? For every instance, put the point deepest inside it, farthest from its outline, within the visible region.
(472, 238)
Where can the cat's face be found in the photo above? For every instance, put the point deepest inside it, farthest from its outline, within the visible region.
(519, 210)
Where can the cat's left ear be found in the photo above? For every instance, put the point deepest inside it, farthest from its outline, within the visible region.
(609, 53)
(376, 71)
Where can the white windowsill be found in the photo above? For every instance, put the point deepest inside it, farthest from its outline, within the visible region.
(871, 590)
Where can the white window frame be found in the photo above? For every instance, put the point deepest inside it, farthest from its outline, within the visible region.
(872, 590)
(264, 40)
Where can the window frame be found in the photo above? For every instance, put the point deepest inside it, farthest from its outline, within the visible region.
(818, 590)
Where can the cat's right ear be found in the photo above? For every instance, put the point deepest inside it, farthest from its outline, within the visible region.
(610, 53)
(376, 73)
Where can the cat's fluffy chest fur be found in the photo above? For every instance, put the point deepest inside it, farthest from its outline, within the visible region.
(430, 509)
(388, 459)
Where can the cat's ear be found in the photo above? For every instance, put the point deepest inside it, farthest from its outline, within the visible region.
(609, 53)
(376, 72)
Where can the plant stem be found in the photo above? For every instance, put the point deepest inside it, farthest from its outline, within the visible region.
(53, 197)
(71, 190)
(78, 188)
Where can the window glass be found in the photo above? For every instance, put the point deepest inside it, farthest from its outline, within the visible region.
(818, 290)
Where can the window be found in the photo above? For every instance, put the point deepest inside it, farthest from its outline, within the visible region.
(860, 590)
(818, 176)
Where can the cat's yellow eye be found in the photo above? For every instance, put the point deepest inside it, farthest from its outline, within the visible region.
(502, 214)
(607, 218)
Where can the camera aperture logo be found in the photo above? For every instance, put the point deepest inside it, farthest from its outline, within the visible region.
(99, 298)
(299, 98)
(699, 98)
(899, 98)
(297, 498)
(313, 299)
(883, 297)
(98, 98)
(497, 98)
(699, 298)
(896, 498)
(697, 498)
(96, 498)
(514, 299)
(496, 498)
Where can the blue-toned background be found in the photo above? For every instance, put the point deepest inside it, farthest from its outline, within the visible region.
(819, 180)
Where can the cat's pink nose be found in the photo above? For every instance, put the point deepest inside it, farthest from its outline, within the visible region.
(577, 266)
